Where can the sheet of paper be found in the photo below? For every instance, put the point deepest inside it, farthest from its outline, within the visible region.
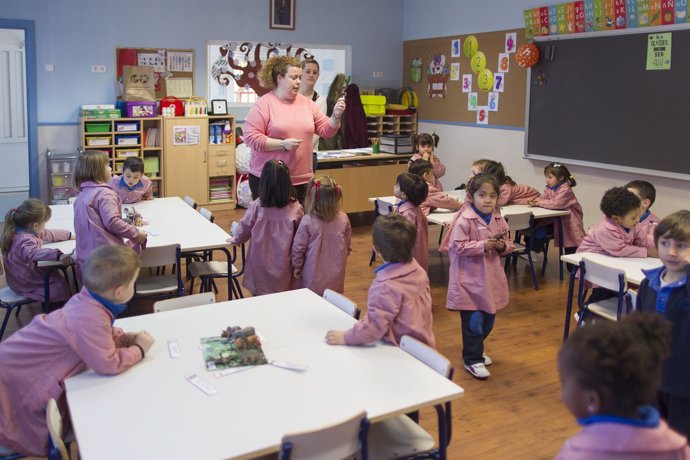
(179, 87)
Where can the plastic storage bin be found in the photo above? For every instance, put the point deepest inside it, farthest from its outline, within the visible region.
(97, 127)
(373, 105)
(140, 109)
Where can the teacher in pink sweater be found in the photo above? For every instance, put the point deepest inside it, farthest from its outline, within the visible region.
(282, 123)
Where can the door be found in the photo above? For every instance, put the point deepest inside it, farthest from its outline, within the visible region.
(185, 158)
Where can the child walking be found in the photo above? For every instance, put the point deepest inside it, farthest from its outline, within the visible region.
(22, 246)
(609, 374)
(97, 210)
(411, 190)
(666, 290)
(271, 222)
(424, 145)
(132, 186)
(477, 285)
(399, 301)
(324, 238)
(37, 359)
(436, 198)
(558, 194)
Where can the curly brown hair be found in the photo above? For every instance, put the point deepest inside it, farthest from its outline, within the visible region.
(277, 65)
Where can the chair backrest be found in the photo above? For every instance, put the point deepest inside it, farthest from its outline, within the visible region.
(631, 300)
(190, 201)
(342, 302)
(185, 301)
(54, 422)
(345, 439)
(208, 215)
(602, 275)
(517, 222)
(427, 355)
(71, 200)
(382, 208)
(160, 256)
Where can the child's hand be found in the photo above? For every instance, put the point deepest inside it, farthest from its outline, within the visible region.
(501, 245)
(141, 237)
(297, 273)
(531, 203)
(148, 198)
(490, 244)
(231, 240)
(66, 259)
(144, 340)
(335, 338)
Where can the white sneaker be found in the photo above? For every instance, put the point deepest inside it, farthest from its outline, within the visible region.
(487, 361)
(478, 371)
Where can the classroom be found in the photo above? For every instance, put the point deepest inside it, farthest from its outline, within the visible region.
(71, 58)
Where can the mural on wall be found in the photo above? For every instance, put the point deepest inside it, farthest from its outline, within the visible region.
(416, 70)
(437, 76)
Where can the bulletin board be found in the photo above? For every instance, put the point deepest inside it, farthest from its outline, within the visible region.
(436, 69)
(173, 68)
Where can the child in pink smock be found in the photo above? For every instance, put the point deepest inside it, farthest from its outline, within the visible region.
(399, 300)
(424, 145)
(22, 241)
(436, 198)
(324, 238)
(132, 186)
(514, 193)
(477, 285)
(271, 222)
(610, 372)
(97, 209)
(37, 359)
(558, 194)
(648, 220)
(411, 190)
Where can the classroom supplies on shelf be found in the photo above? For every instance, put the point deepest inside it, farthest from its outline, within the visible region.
(195, 107)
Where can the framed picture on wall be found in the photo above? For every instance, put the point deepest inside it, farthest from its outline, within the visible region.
(281, 14)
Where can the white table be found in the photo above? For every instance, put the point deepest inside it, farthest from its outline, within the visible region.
(159, 414)
(391, 200)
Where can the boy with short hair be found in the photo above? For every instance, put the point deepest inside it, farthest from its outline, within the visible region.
(132, 186)
(648, 220)
(666, 290)
(399, 300)
(435, 198)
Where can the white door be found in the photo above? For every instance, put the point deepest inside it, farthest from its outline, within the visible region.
(14, 133)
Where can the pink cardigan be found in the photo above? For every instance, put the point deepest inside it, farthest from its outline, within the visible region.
(141, 191)
(437, 199)
(38, 358)
(564, 198)
(320, 250)
(272, 117)
(421, 246)
(609, 238)
(516, 194)
(399, 304)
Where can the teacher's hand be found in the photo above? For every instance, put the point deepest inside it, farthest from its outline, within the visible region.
(339, 108)
(291, 144)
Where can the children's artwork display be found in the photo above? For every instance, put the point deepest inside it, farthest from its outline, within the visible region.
(171, 67)
(235, 347)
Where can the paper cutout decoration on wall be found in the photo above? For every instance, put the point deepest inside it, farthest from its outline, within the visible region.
(437, 76)
(471, 46)
(499, 82)
(467, 83)
(485, 80)
(482, 116)
(454, 71)
(416, 70)
(478, 62)
(527, 55)
(471, 101)
(455, 48)
(493, 102)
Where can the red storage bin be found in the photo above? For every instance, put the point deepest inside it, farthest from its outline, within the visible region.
(177, 103)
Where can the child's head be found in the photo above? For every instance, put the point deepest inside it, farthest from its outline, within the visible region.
(92, 166)
(613, 368)
(483, 191)
(622, 206)
(324, 198)
(645, 191)
(672, 238)
(394, 237)
(132, 170)
(411, 187)
(489, 167)
(111, 272)
(423, 169)
(275, 185)
(31, 215)
(424, 143)
(557, 172)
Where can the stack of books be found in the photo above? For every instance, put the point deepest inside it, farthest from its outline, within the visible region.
(220, 188)
(151, 137)
(396, 143)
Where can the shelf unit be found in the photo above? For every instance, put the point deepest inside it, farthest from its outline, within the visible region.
(120, 138)
(221, 163)
(61, 176)
(380, 125)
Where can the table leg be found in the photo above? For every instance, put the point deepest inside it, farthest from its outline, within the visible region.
(569, 303)
(560, 247)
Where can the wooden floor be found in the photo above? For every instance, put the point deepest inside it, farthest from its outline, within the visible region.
(517, 412)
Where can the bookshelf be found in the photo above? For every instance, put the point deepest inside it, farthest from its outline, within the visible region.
(221, 164)
(380, 125)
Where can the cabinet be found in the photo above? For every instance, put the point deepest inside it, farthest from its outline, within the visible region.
(120, 138)
(380, 125)
(61, 176)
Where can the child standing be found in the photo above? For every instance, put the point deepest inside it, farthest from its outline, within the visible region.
(609, 373)
(424, 145)
(616, 235)
(399, 301)
(37, 359)
(514, 193)
(132, 186)
(324, 238)
(411, 190)
(436, 198)
(666, 290)
(558, 194)
(477, 284)
(97, 209)
(271, 222)
(648, 220)
(22, 241)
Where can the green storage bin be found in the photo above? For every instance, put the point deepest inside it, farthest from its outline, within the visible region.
(97, 127)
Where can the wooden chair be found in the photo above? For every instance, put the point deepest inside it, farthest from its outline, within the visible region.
(401, 437)
(186, 301)
(9, 300)
(522, 225)
(381, 208)
(209, 270)
(342, 302)
(56, 449)
(346, 439)
(190, 201)
(151, 284)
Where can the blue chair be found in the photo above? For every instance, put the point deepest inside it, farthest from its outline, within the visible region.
(9, 300)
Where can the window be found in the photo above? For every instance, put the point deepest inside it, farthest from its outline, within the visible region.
(233, 67)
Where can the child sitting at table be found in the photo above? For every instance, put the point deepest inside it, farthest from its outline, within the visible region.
(399, 300)
(435, 198)
(271, 222)
(132, 186)
(324, 238)
(647, 194)
(609, 374)
(514, 193)
(666, 290)
(37, 359)
(616, 235)
(411, 190)
(22, 240)
(424, 145)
